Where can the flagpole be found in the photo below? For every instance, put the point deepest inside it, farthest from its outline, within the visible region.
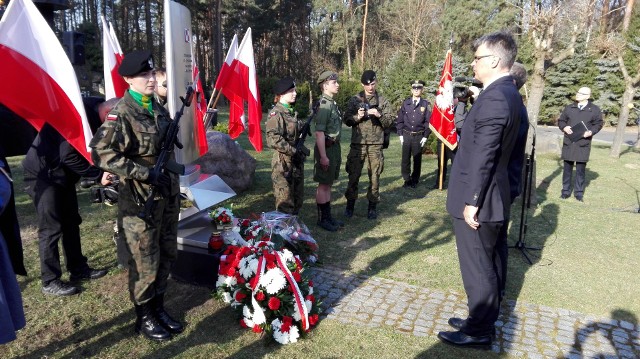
(211, 98)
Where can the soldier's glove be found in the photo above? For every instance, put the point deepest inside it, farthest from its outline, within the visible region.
(161, 182)
(423, 141)
(401, 139)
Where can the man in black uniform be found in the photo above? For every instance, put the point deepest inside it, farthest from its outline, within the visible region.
(413, 129)
(52, 167)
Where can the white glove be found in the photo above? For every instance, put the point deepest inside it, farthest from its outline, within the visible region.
(423, 141)
(401, 140)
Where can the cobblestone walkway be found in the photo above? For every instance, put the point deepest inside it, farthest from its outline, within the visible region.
(522, 330)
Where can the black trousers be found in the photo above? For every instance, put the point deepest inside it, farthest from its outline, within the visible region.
(411, 149)
(481, 268)
(58, 219)
(578, 186)
(448, 155)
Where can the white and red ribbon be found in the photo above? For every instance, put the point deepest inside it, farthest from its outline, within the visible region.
(297, 294)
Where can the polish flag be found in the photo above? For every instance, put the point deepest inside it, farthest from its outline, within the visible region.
(236, 107)
(200, 110)
(114, 84)
(441, 122)
(246, 86)
(38, 81)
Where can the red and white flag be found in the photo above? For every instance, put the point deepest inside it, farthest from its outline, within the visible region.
(442, 120)
(114, 84)
(200, 109)
(38, 81)
(245, 85)
(236, 104)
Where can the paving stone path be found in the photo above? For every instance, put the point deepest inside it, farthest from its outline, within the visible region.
(523, 330)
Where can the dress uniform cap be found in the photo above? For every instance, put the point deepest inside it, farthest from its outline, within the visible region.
(136, 62)
(368, 77)
(283, 85)
(327, 75)
(417, 83)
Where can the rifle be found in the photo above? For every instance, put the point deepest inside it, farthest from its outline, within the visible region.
(170, 141)
(306, 131)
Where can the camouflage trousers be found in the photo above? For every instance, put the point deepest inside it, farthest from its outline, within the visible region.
(288, 184)
(151, 243)
(359, 155)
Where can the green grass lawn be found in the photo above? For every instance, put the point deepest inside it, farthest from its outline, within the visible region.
(586, 264)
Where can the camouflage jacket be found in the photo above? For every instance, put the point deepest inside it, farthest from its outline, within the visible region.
(129, 141)
(368, 130)
(283, 127)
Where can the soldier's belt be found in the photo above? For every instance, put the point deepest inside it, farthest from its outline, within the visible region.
(328, 142)
(413, 133)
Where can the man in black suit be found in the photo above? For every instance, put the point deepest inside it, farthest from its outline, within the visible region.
(479, 193)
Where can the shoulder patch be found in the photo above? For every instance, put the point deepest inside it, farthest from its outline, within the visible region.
(112, 117)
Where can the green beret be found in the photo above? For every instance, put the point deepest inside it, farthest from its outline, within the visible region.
(136, 62)
(327, 75)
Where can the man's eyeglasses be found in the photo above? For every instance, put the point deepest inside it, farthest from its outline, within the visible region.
(416, 87)
(477, 58)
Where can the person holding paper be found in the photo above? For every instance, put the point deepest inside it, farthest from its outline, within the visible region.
(579, 122)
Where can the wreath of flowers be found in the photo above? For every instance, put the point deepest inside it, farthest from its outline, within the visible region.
(265, 283)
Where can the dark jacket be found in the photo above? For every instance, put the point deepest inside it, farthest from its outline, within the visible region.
(479, 175)
(571, 115)
(52, 159)
(414, 118)
(9, 228)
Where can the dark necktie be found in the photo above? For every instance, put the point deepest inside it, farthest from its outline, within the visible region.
(415, 103)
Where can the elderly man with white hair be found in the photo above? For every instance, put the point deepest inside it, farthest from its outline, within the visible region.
(579, 122)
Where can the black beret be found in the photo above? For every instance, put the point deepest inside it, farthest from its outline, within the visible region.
(368, 77)
(417, 83)
(136, 62)
(283, 85)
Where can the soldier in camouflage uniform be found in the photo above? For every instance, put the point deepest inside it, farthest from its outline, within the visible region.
(326, 154)
(369, 114)
(128, 144)
(287, 165)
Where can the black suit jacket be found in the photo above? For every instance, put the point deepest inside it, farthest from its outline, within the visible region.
(479, 174)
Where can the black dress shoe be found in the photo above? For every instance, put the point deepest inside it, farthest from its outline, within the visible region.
(564, 196)
(456, 323)
(462, 340)
(88, 273)
(579, 199)
(59, 288)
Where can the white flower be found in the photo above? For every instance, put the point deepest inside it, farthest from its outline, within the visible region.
(273, 281)
(296, 313)
(248, 266)
(284, 337)
(287, 255)
(226, 280)
(310, 290)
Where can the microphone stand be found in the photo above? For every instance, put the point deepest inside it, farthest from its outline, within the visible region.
(526, 203)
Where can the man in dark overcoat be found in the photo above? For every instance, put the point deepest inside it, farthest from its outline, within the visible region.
(585, 119)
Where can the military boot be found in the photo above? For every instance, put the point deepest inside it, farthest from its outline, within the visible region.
(334, 221)
(371, 212)
(324, 217)
(171, 325)
(348, 212)
(147, 324)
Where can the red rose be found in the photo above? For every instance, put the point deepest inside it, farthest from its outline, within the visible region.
(231, 271)
(243, 324)
(271, 265)
(311, 298)
(260, 296)
(240, 296)
(240, 279)
(257, 329)
(313, 319)
(274, 303)
(285, 327)
(297, 276)
(310, 283)
(287, 320)
(262, 244)
(246, 222)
